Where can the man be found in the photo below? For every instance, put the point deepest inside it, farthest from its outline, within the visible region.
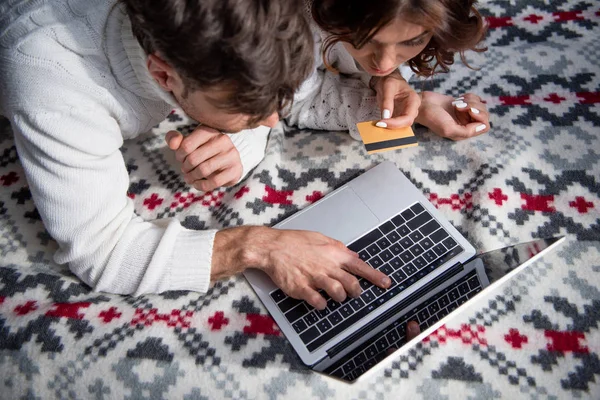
(80, 76)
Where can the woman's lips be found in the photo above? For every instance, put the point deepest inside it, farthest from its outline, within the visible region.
(381, 72)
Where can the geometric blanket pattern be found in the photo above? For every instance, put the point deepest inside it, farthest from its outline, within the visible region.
(535, 174)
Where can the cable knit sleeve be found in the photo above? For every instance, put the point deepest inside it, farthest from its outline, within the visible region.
(332, 101)
(68, 142)
(251, 145)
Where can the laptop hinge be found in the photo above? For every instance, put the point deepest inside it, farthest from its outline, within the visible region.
(344, 344)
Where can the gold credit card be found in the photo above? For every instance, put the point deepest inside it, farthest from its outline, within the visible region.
(378, 139)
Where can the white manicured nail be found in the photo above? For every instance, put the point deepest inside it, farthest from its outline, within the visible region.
(480, 128)
(459, 98)
(381, 124)
(461, 105)
(474, 110)
(386, 114)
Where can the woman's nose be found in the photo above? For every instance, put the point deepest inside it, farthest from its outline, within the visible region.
(271, 120)
(386, 59)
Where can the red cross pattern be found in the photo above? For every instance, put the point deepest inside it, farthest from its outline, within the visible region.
(24, 309)
(537, 202)
(153, 201)
(110, 314)
(534, 19)
(9, 178)
(581, 204)
(515, 339)
(218, 321)
(455, 201)
(315, 196)
(67, 310)
(277, 196)
(565, 341)
(261, 324)
(467, 334)
(498, 196)
(177, 318)
(245, 189)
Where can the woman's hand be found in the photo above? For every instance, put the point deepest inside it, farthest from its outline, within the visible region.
(456, 119)
(397, 100)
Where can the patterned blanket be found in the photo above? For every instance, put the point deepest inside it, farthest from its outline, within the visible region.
(534, 175)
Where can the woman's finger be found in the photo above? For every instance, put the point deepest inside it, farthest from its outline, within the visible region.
(174, 139)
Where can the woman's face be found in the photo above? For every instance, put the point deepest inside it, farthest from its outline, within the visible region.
(394, 44)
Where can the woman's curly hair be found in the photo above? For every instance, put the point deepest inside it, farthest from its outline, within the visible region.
(456, 25)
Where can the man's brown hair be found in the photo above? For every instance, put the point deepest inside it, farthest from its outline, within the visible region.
(260, 51)
(456, 25)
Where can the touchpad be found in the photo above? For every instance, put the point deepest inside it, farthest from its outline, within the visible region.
(342, 216)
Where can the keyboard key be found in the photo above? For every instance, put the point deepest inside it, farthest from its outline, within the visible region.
(429, 227)
(417, 208)
(360, 358)
(296, 313)
(418, 221)
(433, 308)
(430, 256)
(473, 283)
(367, 296)
(439, 249)
(439, 235)
(371, 351)
(462, 300)
(287, 304)
(452, 306)
(335, 318)
(377, 291)
(310, 335)
(415, 236)
(346, 311)
(406, 256)
(383, 243)
(399, 276)
(453, 295)
(324, 326)
(398, 220)
(348, 367)
(396, 263)
(364, 284)
(403, 230)
(406, 242)
(442, 313)
(323, 313)
(311, 319)
(387, 227)
(396, 249)
(386, 255)
(417, 250)
(443, 301)
(409, 269)
(373, 250)
(426, 243)
(357, 304)
(382, 344)
(463, 288)
(423, 315)
(366, 240)
(393, 237)
(375, 262)
(449, 243)
(387, 269)
(364, 255)
(278, 295)
(392, 337)
(407, 214)
(299, 326)
(419, 262)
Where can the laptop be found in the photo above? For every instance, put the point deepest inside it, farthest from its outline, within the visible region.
(434, 270)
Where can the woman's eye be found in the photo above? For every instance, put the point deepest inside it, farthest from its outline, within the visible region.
(414, 43)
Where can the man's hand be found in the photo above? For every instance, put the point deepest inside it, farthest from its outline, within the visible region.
(208, 158)
(455, 119)
(397, 100)
(299, 262)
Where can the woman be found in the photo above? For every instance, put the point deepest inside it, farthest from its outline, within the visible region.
(378, 45)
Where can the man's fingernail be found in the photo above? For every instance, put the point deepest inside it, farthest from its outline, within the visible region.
(460, 104)
(480, 128)
(385, 281)
(414, 328)
(381, 124)
(386, 114)
(474, 110)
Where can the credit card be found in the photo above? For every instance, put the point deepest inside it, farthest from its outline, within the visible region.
(378, 139)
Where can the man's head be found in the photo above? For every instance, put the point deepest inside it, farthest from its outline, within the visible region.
(230, 64)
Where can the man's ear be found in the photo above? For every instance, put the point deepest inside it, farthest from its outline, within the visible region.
(163, 73)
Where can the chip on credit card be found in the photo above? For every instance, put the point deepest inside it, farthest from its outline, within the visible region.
(378, 139)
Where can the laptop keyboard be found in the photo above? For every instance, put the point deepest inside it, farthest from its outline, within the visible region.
(394, 335)
(407, 248)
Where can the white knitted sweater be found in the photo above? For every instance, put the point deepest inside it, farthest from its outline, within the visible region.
(74, 84)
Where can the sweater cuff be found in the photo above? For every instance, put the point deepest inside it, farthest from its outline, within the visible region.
(191, 260)
(251, 145)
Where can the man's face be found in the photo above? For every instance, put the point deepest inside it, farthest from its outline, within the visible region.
(200, 105)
